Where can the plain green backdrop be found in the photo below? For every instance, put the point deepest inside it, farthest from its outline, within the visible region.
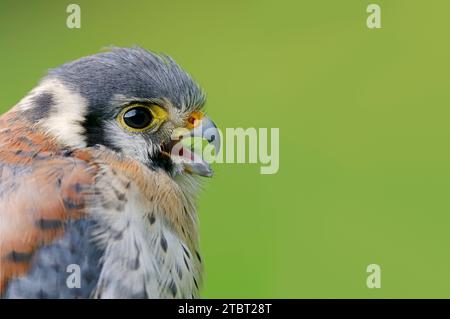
(364, 131)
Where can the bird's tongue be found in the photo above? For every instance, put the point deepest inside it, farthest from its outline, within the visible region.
(186, 153)
(190, 160)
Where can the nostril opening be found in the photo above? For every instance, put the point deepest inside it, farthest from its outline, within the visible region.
(191, 120)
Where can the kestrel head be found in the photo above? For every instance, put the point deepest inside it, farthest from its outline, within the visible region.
(131, 101)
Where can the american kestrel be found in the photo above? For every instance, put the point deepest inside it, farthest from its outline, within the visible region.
(90, 184)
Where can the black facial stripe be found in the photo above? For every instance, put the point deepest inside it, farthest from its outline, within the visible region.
(161, 161)
(95, 132)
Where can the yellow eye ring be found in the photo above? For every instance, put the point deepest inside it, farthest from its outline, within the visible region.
(141, 117)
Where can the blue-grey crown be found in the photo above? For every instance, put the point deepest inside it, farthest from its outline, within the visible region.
(133, 73)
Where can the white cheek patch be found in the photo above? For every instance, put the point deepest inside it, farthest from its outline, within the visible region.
(67, 113)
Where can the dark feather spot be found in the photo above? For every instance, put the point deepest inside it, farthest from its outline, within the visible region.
(70, 204)
(66, 152)
(186, 252)
(179, 272)
(42, 155)
(118, 235)
(195, 282)
(133, 263)
(26, 140)
(198, 256)
(49, 224)
(56, 267)
(173, 288)
(152, 219)
(137, 262)
(163, 243)
(72, 248)
(77, 187)
(186, 263)
(19, 257)
(89, 277)
(120, 196)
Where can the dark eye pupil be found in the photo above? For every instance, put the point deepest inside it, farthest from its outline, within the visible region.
(138, 117)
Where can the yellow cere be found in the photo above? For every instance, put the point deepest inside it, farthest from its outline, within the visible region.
(194, 119)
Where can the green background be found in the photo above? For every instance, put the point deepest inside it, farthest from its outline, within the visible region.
(364, 123)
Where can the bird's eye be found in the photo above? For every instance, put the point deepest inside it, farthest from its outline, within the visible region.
(139, 118)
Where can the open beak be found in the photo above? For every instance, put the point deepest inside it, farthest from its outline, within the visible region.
(199, 126)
